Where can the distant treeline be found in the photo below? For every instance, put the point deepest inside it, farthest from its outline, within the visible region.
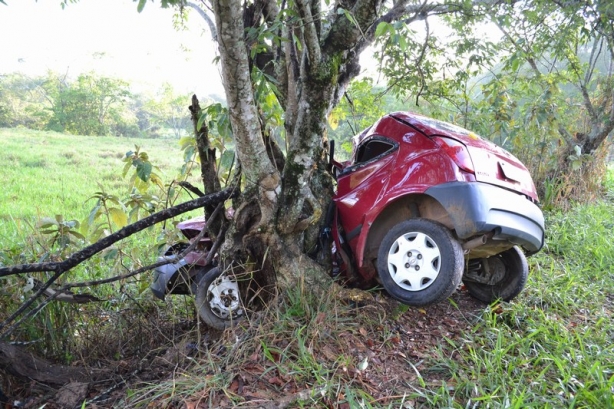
(91, 104)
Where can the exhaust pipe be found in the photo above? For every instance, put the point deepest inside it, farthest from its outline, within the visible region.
(476, 242)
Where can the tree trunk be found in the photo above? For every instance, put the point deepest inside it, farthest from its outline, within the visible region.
(279, 215)
(208, 169)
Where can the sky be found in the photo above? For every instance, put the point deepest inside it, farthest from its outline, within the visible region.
(111, 38)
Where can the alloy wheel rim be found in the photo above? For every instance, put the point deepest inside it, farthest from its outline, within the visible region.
(223, 298)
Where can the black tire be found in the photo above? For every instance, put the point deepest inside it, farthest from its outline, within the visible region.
(419, 262)
(500, 277)
(176, 249)
(218, 301)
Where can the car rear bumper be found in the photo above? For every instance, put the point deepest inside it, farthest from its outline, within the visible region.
(477, 208)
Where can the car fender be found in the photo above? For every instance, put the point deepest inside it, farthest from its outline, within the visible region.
(165, 274)
(371, 218)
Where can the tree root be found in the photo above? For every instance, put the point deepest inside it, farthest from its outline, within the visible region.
(23, 364)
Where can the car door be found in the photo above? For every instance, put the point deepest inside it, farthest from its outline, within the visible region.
(362, 184)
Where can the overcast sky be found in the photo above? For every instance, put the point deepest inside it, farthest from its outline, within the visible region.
(111, 38)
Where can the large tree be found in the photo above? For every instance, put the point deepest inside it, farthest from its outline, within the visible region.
(307, 52)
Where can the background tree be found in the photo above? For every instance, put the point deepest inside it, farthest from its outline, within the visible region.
(168, 111)
(563, 54)
(361, 105)
(540, 83)
(90, 105)
(21, 102)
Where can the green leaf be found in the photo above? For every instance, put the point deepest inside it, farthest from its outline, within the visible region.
(157, 180)
(576, 164)
(227, 159)
(299, 46)
(143, 170)
(77, 234)
(189, 154)
(94, 213)
(126, 169)
(72, 224)
(383, 28)
(402, 43)
(141, 185)
(186, 141)
(118, 216)
(84, 227)
(141, 5)
(201, 119)
(350, 17)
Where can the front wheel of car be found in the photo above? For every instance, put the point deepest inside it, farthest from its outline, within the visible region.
(499, 277)
(419, 262)
(218, 301)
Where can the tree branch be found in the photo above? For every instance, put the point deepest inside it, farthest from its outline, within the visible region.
(88, 252)
(206, 17)
(310, 35)
(61, 293)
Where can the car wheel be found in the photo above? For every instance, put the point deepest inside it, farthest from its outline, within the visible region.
(419, 262)
(218, 301)
(500, 277)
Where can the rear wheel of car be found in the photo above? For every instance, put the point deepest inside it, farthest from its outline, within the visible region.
(500, 277)
(218, 301)
(419, 262)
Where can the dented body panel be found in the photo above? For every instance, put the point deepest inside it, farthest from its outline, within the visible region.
(409, 166)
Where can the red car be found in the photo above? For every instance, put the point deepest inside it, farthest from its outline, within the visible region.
(423, 205)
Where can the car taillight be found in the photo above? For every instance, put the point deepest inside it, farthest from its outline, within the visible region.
(457, 151)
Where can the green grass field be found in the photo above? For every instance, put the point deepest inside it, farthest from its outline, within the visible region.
(45, 173)
(48, 173)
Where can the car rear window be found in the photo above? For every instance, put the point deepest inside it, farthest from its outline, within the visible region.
(372, 149)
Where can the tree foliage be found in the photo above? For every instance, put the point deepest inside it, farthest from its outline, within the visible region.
(167, 110)
(91, 105)
(539, 84)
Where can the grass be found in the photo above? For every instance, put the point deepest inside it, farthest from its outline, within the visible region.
(47, 174)
(551, 347)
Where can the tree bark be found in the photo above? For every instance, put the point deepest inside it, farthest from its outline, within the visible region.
(208, 168)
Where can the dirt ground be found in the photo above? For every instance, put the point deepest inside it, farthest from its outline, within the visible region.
(381, 349)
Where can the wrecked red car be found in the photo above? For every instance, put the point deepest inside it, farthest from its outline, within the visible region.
(421, 206)
(424, 205)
